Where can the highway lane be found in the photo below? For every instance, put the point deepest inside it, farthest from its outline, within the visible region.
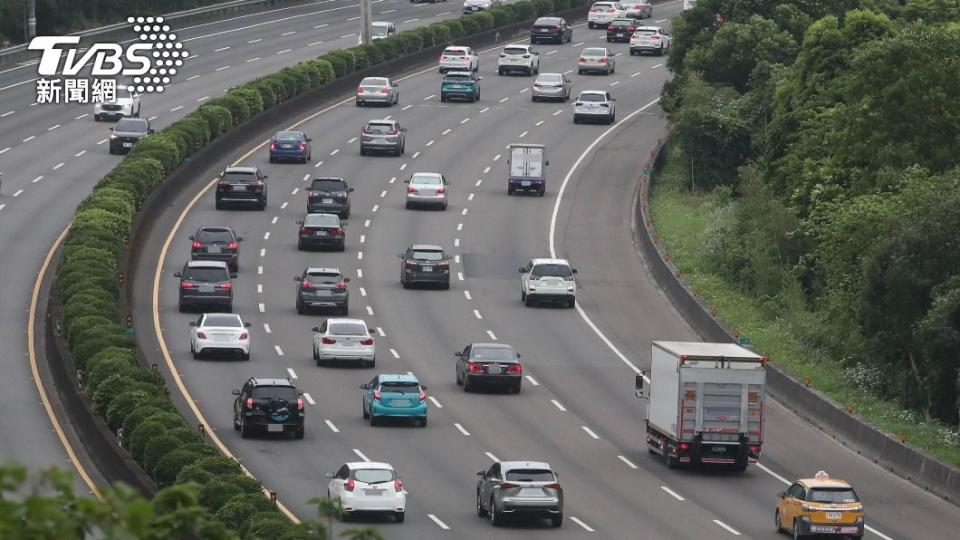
(65, 155)
(522, 431)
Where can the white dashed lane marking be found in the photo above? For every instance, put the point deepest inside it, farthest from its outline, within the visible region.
(435, 402)
(558, 405)
(665, 488)
(590, 432)
(729, 529)
(394, 353)
(309, 398)
(37, 179)
(221, 49)
(360, 454)
(432, 517)
(293, 374)
(532, 381)
(581, 523)
(221, 68)
(332, 427)
(278, 349)
(492, 335)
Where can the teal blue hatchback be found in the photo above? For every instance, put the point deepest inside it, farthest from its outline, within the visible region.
(394, 396)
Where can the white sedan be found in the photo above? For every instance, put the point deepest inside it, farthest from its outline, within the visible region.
(220, 333)
(346, 340)
(425, 188)
(366, 486)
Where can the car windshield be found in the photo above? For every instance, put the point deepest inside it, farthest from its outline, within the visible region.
(428, 255)
(241, 177)
(347, 329)
(373, 81)
(549, 79)
(514, 50)
(131, 125)
(500, 354)
(551, 270)
(288, 136)
(455, 52)
(206, 274)
(327, 185)
(323, 278)
(223, 320)
(214, 236)
(426, 179)
(379, 30)
(380, 129)
(594, 52)
(592, 97)
(373, 476)
(286, 393)
(400, 387)
(321, 220)
(530, 475)
(832, 495)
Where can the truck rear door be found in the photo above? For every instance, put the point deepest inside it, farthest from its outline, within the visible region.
(518, 161)
(721, 411)
(535, 162)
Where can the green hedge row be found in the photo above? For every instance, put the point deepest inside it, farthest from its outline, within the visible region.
(133, 400)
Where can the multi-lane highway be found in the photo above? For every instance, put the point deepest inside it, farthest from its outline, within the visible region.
(51, 156)
(577, 410)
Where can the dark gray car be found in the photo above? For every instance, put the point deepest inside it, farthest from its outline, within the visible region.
(322, 288)
(493, 364)
(383, 136)
(127, 133)
(424, 264)
(519, 488)
(242, 185)
(329, 195)
(207, 285)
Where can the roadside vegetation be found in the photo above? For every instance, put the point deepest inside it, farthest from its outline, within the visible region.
(812, 194)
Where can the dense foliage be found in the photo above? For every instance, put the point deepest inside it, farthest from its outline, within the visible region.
(836, 128)
(133, 399)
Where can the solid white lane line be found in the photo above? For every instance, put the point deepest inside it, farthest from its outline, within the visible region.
(262, 308)
(461, 429)
(369, 309)
(558, 405)
(435, 402)
(381, 332)
(492, 457)
(266, 328)
(672, 493)
(590, 432)
(432, 517)
(37, 179)
(309, 398)
(532, 380)
(278, 349)
(492, 335)
(363, 292)
(476, 313)
(293, 374)
(51, 128)
(58, 165)
(330, 425)
(467, 295)
(394, 353)
(360, 454)
(221, 68)
(415, 155)
(582, 524)
(628, 462)
(730, 529)
(80, 153)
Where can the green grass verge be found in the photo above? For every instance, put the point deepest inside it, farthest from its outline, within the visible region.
(682, 217)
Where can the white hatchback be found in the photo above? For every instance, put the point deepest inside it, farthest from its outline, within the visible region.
(601, 13)
(344, 339)
(549, 280)
(220, 332)
(367, 486)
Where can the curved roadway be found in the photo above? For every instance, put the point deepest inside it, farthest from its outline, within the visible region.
(577, 409)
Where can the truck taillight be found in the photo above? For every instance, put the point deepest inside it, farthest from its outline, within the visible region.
(684, 446)
(755, 449)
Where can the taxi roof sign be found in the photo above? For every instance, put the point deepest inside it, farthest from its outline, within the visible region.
(821, 475)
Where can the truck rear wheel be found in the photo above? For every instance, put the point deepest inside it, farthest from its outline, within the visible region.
(671, 462)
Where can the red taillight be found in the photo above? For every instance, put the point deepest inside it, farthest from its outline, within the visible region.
(336, 232)
(303, 146)
(201, 335)
(474, 367)
(552, 486)
(349, 484)
(398, 485)
(327, 340)
(249, 402)
(507, 485)
(526, 56)
(423, 395)
(515, 369)
(359, 89)
(684, 446)
(197, 244)
(273, 146)
(384, 90)
(755, 449)
(233, 246)
(655, 36)
(368, 341)
(222, 184)
(244, 335)
(188, 285)
(225, 286)
(581, 59)
(306, 284)
(376, 395)
(411, 189)
(607, 105)
(367, 131)
(603, 60)
(392, 132)
(411, 264)
(342, 285)
(441, 190)
(611, 10)
(300, 403)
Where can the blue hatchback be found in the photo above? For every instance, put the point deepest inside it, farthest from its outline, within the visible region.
(292, 145)
(395, 396)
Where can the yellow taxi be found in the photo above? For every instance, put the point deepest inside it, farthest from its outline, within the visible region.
(820, 505)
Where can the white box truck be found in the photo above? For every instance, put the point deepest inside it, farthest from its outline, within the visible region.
(525, 167)
(705, 403)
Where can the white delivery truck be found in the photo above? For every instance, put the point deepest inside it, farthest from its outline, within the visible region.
(525, 168)
(705, 403)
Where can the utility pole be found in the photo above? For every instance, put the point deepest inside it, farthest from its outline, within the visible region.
(365, 22)
(30, 14)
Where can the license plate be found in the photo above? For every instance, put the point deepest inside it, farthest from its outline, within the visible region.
(326, 201)
(400, 403)
(379, 141)
(525, 183)
(373, 492)
(493, 369)
(621, 34)
(286, 146)
(213, 249)
(427, 269)
(275, 428)
(834, 515)
(321, 233)
(127, 145)
(531, 492)
(718, 449)
(206, 288)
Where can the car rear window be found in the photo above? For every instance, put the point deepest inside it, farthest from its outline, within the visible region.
(131, 125)
(620, 22)
(373, 81)
(645, 31)
(380, 129)
(832, 495)
(288, 136)
(241, 177)
(427, 179)
(214, 235)
(206, 274)
(321, 220)
(379, 30)
(323, 278)
(499, 354)
(530, 475)
(551, 270)
(347, 329)
(594, 52)
(601, 5)
(455, 52)
(457, 77)
(549, 79)
(592, 97)
(546, 22)
(400, 387)
(373, 476)
(514, 50)
(286, 393)
(328, 185)
(425, 255)
(224, 320)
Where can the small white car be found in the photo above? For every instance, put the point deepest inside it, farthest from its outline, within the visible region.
(649, 39)
(126, 105)
(220, 333)
(382, 30)
(368, 486)
(473, 6)
(455, 58)
(602, 13)
(426, 188)
(548, 280)
(597, 59)
(344, 339)
(522, 58)
(596, 105)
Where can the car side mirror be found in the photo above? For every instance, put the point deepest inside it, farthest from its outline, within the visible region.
(151, 131)
(239, 239)
(519, 355)
(424, 387)
(350, 190)
(638, 386)
(177, 274)
(329, 475)
(233, 275)
(193, 323)
(395, 85)
(316, 328)
(781, 495)
(309, 139)
(446, 182)
(265, 177)
(372, 331)
(400, 255)
(247, 324)
(299, 222)
(344, 223)
(191, 237)
(481, 474)
(403, 130)
(297, 278)
(235, 392)
(346, 280)
(546, 163)
(573, 270)
(406, 180)
(521, 270)
(458, 354)
(364, 386)
(111, 129)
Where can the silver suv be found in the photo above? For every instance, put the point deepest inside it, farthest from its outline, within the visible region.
(548, 280)
(383, 136)
(528, 488)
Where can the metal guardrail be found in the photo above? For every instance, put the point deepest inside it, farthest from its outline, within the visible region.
(17, 53)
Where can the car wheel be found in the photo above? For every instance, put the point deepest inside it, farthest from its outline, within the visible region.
(446, 286)
(300, 245)
(579, 72)
(366, 415)
(500, 71)
(459, 379)
(571, 302)
(495, 518)
(466, 384)
(528, 301)
(542, 191)
(300, 308)
(236, 424)
(230, 308)
(776, 521)
(444, 205)
(516, 387)
(345, 309)
(300, 432)
(404, 283)
(373, 419)
(359, 103)
(533, 98)
(660, 52)
(245, 356)
(244, 432)
(590, 25)
(363, 151)
(316, 356)
(481, 511)
(422, 421)
(796, 530)
(509, 190)
(523, 297)
(443, 98)
(342, 247)
(399, 516)
(556, 521)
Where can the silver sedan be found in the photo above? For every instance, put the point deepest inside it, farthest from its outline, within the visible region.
(551, 86)
(378, 90)
(424, 188)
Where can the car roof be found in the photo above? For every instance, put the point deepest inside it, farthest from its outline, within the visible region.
(322, 270)
(824, 483)
(551, 261)
(354, 465)
(510, 465)
(257, 381)
(398, 377)
(426, 247)
(241, 169)
(207, 264)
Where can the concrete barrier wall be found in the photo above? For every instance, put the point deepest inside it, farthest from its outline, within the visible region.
(913, 464)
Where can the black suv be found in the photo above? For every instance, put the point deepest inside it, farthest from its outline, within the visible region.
(126, 134)
(552, 29)
(330, 195)
(621, 29)
(322, 288)
(424, 263)
(205, 284)
(268, 406)
(216, 244)
(242, 185)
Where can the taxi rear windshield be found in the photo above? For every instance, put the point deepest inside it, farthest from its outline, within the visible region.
(832, 495)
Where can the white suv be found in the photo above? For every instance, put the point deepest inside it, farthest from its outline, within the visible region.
(548, 280)
(601, 13)
(518, 58)
(459, 59)
(595, 105)
(125, 105)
